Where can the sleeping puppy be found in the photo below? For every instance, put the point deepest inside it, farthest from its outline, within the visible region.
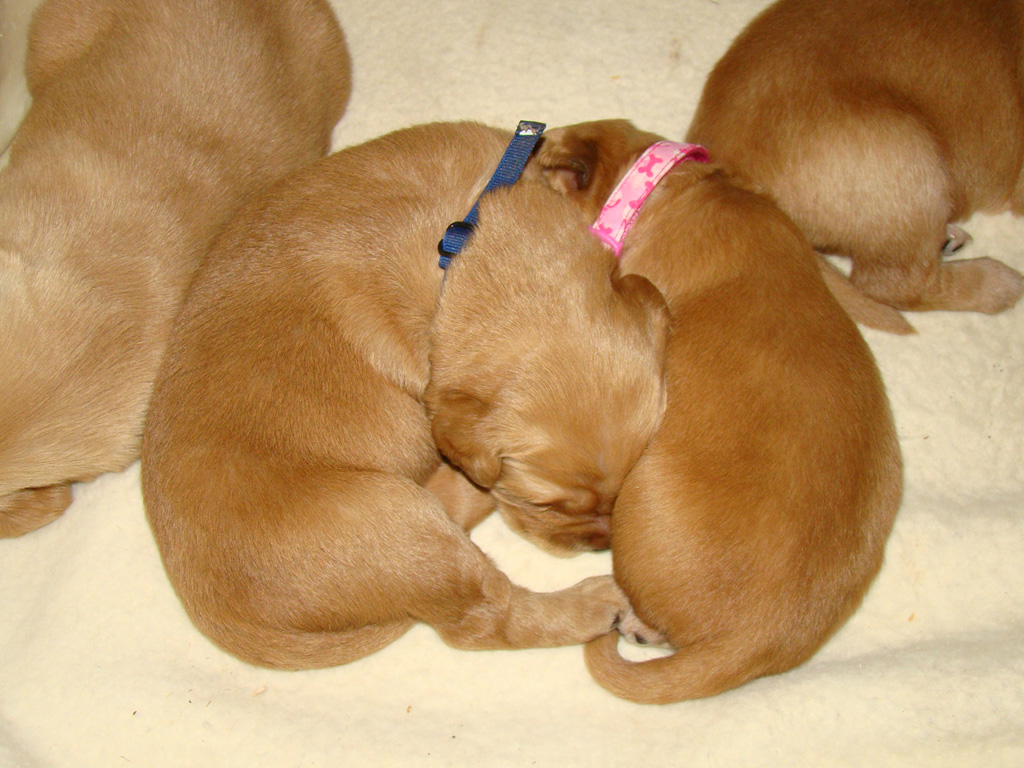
(288, 466)
(150, 121)
(534, 400)
(875, 124)
(757, 517)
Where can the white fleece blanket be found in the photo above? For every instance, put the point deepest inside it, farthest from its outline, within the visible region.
(99, 666)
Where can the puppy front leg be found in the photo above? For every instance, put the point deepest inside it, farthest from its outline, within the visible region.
(481, 609)
(966, 285)
(397, 555)
(488, 611)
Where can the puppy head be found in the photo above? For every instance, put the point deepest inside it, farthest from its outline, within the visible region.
(546, 367)
(585, 161)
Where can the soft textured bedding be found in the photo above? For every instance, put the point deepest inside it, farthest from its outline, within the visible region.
(99, 666)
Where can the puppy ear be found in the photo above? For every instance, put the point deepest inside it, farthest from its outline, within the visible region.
(642, 291)
(584, 161)
(566, 161)
(458, 429)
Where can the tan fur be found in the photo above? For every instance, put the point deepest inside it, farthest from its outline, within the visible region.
(753, 523)
(151, 120)
(874, 124)
(289, 471)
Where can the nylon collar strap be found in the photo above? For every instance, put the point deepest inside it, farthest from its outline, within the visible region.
(628, 197)
(508, 171)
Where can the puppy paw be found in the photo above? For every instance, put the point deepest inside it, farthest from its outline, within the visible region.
(635, 631)
(602, 603)
(968, 285)
(956, 238)
(1001, 286)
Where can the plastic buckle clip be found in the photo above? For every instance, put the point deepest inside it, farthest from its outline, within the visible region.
(457, 231)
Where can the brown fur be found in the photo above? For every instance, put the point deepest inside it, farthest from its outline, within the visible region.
(874, 124)
(542, 391)
(151, 120)
(753, 523)
(289, 470)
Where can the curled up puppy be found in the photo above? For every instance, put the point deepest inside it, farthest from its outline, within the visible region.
(757, 517)
(150, 121)
(876, 125)
(289, 469)
(536, 367)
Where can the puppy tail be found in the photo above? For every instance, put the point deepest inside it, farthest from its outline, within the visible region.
(693, 673)
(860, 307)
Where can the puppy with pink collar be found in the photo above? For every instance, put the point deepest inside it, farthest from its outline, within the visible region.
(757, 516)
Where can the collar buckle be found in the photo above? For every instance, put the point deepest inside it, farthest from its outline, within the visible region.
(456, 235)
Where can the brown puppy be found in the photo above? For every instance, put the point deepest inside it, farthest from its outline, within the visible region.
(874, 124)
(756, 518)
(287, 446)
(150, 121)
(529, 396)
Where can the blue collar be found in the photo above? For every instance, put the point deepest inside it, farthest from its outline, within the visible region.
(508, 171)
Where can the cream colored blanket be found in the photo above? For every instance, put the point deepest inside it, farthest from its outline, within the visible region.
(99, 665)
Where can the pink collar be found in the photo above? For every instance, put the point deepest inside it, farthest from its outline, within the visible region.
(628, 197)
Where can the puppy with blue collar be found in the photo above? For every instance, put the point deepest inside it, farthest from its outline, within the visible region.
(324, 365)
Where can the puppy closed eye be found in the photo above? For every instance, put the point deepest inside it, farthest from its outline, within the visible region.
(581, 502)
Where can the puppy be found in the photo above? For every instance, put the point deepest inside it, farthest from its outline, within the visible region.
(755, 520)
(288, 466)
(528, 395)
(874, 124)
(150, 121)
